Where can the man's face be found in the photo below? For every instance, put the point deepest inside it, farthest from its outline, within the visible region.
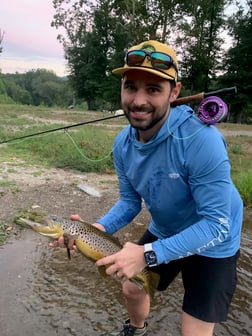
(146, 99)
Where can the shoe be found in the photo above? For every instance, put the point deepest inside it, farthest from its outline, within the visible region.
(129, 330)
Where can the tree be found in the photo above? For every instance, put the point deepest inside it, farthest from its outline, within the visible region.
(36, 87)
(1, 40)
(237, 62)
(98, 34)
(200, 43)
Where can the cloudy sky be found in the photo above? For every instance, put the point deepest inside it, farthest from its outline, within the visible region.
(29, 40)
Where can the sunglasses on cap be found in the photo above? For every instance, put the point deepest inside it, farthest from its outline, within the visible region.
(158, 60)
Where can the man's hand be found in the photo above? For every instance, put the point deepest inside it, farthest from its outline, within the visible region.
(126, 263)
(61, 242)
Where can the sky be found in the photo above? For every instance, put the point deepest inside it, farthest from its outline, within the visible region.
(29, 41)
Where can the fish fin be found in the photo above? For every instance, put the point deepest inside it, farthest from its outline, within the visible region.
(102, 271)
(22, 221)
(138, 282)
(153, 283)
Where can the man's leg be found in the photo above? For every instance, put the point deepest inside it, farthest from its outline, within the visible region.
(137, 303)
(193, 326)
(209, 286)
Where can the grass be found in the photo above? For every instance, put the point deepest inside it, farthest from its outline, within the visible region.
(85, 148)
(5, 232)
(243, 181)
(240, 153)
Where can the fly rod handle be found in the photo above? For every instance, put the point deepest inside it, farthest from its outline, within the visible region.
(199, 96)
(185, 100)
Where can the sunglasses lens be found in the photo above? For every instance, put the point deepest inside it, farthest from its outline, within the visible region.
(158, 60)
(135, 57)
(161, 61)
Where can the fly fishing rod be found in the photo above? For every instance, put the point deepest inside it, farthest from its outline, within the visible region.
(200, 96)
(212, 109)
(210, 112)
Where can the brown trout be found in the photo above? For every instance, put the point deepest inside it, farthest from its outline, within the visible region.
(92, 243)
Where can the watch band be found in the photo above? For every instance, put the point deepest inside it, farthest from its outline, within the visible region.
(150, 255)
(148, 247)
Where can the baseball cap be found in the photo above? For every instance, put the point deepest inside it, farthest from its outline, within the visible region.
(151, 56)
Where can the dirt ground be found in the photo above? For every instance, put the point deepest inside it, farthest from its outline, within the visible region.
(55, 192)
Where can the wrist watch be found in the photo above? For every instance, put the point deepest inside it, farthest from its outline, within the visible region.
(150, 255)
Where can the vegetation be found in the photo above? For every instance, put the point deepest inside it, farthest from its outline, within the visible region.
(36, 87)
(5, 232)
(97, 33)
(1, 40)
(88, 147)
(85, 148)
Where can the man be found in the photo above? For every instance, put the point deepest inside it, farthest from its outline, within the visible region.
(180, 168)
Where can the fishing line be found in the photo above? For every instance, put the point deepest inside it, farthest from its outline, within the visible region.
(82, 154)
(21, 139)
(183, 138)
(211, 110)
(59, 129)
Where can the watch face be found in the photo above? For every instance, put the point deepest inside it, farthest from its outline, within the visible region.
(150, 258)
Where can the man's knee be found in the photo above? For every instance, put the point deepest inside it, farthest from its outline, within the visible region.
(131, 291)
(196, 327)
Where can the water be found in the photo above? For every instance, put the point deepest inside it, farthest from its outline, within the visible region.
(43, 293)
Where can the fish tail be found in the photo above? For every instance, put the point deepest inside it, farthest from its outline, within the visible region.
(152, 283)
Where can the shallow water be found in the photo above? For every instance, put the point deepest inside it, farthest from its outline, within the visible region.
(43, 293)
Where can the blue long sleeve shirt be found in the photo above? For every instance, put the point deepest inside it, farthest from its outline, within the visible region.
(183, 176)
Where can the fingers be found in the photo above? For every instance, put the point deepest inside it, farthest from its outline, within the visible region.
(75, 217)
(58, 243)
(113, 269)
(61, 242)
(54, 244)
(106, 260)
(119, 276)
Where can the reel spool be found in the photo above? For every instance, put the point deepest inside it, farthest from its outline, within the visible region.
(212, 110)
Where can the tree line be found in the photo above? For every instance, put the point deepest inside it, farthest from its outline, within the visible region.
(96, 35)
(35, 87)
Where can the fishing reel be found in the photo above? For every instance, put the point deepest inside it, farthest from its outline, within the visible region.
(212, 110)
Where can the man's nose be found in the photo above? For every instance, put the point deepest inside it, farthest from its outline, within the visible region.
(140, 98)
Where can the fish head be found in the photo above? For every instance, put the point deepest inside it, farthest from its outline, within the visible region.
(51, 229)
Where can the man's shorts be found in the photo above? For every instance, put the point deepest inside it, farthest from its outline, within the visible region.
(209, 283)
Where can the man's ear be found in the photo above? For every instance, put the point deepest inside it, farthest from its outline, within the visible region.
(175, 92)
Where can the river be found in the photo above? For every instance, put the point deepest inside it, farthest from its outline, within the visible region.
(44, 294)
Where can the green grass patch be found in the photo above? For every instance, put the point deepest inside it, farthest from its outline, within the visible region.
(88, 149)
(7, 183)
(5, 232)
(243, 182)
